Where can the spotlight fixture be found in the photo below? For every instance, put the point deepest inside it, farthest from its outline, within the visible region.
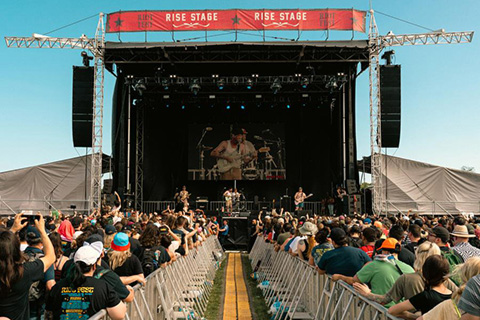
(221, 83)
(249, 83)
(86, 58)
(242, 107)
(276, 86)
(228, 107)
(305, 82)
(165, 84)
(288, 106)
(195, 86)
(140, 87)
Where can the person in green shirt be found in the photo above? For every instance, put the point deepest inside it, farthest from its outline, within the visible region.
(383, 271)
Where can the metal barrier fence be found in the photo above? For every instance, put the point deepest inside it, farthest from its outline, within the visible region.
(179, 291)
(295, 290)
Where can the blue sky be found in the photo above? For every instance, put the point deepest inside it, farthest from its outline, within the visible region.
(440, 84)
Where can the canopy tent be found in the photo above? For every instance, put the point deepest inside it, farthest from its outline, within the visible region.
(427, 188)
(55, 185)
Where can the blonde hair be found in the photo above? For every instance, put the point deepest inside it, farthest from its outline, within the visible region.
(117, 258)
(425, 250)
(108, 240)
(311, 243)
(465, 272)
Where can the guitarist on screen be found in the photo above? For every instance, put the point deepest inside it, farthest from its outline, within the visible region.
(300, 198)
(231, 154)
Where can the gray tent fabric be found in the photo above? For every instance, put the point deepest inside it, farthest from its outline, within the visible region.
(427, 188)
(57, 185)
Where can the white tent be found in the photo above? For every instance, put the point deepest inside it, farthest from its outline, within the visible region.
(56, 185)
(428, 188)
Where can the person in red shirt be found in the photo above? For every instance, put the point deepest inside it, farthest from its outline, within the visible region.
(369, 236)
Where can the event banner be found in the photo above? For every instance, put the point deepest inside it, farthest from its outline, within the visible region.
(237, 19)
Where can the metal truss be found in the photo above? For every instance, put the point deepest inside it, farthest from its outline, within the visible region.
(376, 44)
(40, 41)
(97, 132)
(239, 53)
(139, 155)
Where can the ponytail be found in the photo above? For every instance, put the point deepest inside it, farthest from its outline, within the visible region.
(76, 273)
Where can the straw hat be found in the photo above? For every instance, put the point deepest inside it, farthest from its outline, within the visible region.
(461, 232)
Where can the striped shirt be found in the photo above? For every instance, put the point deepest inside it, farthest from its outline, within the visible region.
(466, 250)
(470, 300)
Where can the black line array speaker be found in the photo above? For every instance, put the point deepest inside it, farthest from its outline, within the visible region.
(390, 104)
(82, 106)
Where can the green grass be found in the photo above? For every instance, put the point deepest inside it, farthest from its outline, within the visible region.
(215, 300)
(257, 303)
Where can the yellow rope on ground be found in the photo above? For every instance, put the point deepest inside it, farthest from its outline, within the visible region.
(236, 305)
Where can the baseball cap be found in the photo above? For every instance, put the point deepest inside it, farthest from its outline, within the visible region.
(367, 221)
(440, 232)
(33, 234)
(87, 254)
(337, 234)
(110, 229)
(120, 242)
(389, 244)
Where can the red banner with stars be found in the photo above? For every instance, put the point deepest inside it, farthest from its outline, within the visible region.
(237, 19)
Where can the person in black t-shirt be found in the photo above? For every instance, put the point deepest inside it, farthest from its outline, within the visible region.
(123, 263)
(16, 275)
(435, 272)
(81, 295)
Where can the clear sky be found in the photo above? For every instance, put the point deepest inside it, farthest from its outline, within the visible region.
(440, 84)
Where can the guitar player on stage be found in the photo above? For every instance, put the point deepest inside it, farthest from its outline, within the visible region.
(228, 195)
(300, 198)
(231, 154)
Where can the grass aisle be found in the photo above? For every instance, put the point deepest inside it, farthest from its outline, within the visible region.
(215, 300)
(257, 303)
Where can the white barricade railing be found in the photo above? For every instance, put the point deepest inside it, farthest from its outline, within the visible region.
(179, 291)
(295, 290)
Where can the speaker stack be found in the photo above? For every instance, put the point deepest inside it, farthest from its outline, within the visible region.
(82, 106)
(390, 105)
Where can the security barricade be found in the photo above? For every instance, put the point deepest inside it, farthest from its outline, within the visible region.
(179, 291)
(295, 290)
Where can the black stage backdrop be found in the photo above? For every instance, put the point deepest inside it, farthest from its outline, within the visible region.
(312, 134)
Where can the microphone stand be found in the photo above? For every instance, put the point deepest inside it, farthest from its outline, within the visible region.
(201, 155)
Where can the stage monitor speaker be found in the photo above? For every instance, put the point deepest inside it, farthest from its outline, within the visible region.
(351, 186)
(244, 214)
(82, 106)
(354, 204)
(237, 233)
(390, 99)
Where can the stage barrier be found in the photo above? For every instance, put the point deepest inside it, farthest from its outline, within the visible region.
(179, 291)
(295, 290)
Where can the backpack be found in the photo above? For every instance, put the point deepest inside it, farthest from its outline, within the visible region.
(100, 274)
(37, 289)
(149, 261)
(453, 261)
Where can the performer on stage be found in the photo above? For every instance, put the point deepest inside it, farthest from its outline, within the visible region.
(183, 197)
(299, 198)
(228, 195)
(231, 154)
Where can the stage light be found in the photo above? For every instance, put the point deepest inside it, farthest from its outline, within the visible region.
(288, 106)
(195, 86)
(214, 75)
(173, 76)
(221, 83)
(242, 107)
(254, 75)
(258, 96)
(228, 107)
(140, 87)
(183, 107)
(165, 84)
(86, 58)
(167, 106)
(276, 86)
(305, 82)
(249, 83)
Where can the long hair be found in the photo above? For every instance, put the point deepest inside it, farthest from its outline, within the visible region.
(57, 244)
(75, 276)
(435, 270)
(149, 237)
(117, 258)
(425, 250)
(465, 272)
(11, 261)
(311, 243)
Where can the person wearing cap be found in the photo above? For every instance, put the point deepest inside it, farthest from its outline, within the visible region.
(383, 271)
(342, 260)
(134, 243)
(81, 294)
(123, 263)
(34, 251)
(440, 236)
(231, 152)
(462, 247)
(18, 274)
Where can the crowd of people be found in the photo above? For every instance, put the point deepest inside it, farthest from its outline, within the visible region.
(71, 267)
(418, 267)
